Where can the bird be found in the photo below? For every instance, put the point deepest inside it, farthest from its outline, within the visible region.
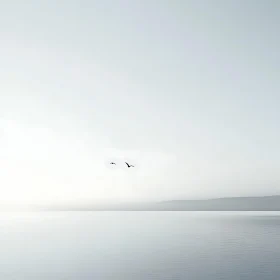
(112, 163)
(128, 165)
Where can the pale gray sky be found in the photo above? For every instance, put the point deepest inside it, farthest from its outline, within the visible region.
(188, 91)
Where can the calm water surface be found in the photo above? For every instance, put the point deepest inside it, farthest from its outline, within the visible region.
(140, 245)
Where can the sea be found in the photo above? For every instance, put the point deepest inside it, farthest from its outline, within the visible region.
(139, 245)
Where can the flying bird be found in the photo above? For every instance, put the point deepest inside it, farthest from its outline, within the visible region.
(128, 165)
(112, 163)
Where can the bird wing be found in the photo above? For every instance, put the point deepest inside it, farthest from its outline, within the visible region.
(127, 164)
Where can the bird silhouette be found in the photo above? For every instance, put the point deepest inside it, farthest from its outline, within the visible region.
(128, 165)
(112, 163)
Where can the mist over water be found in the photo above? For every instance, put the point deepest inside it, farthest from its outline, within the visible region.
(140, 245)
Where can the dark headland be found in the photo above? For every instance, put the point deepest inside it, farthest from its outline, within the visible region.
(264, 203)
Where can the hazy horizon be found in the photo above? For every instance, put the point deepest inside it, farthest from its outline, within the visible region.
(186, 91)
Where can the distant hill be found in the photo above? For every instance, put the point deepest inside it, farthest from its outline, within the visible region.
(265, 203)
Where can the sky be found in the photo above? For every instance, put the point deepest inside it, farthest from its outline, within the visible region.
(187, 91)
